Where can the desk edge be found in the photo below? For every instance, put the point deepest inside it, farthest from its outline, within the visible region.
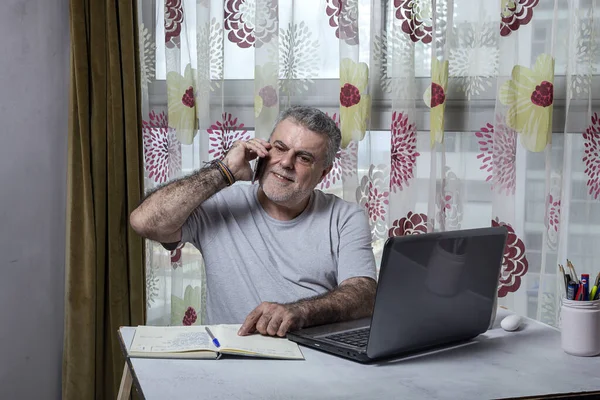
(125, 352)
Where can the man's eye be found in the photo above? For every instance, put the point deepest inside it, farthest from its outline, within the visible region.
(305, 159)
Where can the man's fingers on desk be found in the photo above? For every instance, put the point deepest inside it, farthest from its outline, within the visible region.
(285, 327)
(269, 319)
(263, 322)
(250, 322)
(275, 323)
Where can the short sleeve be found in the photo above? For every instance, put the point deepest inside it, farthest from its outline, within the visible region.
(195, 227)
(355, 257)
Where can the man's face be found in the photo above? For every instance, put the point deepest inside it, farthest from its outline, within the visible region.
(296, 164)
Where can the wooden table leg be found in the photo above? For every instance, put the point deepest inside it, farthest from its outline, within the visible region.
(126, 382)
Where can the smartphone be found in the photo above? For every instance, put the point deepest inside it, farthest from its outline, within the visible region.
(259, 166)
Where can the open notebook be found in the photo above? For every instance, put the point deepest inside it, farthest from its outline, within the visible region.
(194, 342)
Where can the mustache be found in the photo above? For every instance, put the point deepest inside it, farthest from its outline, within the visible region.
(285, 175)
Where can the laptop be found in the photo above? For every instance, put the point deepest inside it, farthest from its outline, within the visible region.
(434, 290)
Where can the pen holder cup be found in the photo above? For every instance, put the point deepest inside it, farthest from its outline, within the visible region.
(580, 327)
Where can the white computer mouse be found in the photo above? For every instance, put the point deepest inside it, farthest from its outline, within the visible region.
(511, 323)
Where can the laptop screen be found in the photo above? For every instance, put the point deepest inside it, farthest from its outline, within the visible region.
(436, 287)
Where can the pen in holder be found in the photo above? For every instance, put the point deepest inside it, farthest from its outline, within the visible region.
(580, 327)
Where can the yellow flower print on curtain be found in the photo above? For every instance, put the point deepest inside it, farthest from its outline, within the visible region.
(181, 100)
(265, 94)
(258, 105)
(186, 311)
(266, 98)
(530, 94)
(355, 104)
(435, 99)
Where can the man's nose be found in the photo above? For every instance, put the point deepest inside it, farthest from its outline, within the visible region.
(287, 160)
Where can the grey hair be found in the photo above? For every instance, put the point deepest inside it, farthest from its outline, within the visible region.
(316, 121)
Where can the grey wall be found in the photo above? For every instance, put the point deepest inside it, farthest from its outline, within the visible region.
(34, 61)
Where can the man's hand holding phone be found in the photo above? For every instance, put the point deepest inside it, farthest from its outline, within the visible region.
(258, 168)
(241, 153)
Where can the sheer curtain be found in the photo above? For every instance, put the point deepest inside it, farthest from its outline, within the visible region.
(454, 114)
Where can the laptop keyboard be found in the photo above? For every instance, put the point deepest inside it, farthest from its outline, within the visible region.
(358, 338)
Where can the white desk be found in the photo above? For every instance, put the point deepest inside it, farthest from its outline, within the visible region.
(497, 364)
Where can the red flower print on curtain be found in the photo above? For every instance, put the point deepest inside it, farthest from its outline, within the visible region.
(173, 22)
(416, 19)
(591, 138)
(404, 151)
(162, 150)
(435, 98)
(189, 317)
(552, 216)
(176, 261)
(222, 134)
(515, 13)
(343, 16)
(184, 310)
(443, 205)
(244, 29)
(552, 211)
(449, 206)
(355, 103)
(373, 194)
(514, 264)
(344, 163)
(498, 146)
(412, 224)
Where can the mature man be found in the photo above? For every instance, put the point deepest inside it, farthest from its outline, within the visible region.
(279, 255)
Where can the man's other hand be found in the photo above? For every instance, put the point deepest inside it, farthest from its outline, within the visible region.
(241, 153)
(273, 319)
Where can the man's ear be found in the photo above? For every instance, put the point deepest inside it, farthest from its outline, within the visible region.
(324, 174)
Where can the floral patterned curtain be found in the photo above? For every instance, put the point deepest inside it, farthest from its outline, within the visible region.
(454, 114)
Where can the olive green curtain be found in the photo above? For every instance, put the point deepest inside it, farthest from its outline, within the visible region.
(105, 281)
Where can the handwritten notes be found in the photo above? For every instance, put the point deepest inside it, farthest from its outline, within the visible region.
(194, 342)
(171, 339)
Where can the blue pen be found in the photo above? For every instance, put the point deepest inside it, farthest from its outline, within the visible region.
(212, 337)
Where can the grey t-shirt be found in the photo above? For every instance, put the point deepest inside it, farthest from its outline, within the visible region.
(251, 257)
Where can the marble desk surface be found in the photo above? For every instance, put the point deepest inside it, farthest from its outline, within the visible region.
(496, 364)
